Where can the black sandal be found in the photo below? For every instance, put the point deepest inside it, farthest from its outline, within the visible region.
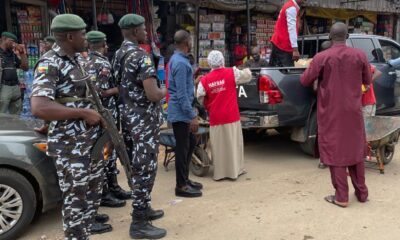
(331, 199)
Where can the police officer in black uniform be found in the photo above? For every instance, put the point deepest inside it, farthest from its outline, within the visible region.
(12, 56)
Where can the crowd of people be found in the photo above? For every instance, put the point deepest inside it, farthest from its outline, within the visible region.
(59, 97)
(129, 89)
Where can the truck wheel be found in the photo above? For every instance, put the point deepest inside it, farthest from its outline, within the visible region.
(308, 146)
(17, 204)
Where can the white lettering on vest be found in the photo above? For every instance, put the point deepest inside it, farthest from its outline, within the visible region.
(242, 92)
(216, 83)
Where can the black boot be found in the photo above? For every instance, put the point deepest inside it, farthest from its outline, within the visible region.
(154, 214)
(116, 190)
(108, 199)
(141, 228)
(101, 218)
(99, 228)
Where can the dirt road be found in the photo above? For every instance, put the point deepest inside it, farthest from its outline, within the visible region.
(281, 198)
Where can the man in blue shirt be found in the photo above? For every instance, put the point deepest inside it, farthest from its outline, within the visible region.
(182, 114)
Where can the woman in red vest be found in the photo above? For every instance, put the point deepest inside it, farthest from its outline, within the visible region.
(217, 92)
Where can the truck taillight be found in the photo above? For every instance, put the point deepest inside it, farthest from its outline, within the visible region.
(269, 92)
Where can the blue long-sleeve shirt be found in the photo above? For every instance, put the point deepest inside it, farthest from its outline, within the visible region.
(180, 89)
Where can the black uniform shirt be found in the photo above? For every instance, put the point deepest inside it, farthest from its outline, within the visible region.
(10, 62)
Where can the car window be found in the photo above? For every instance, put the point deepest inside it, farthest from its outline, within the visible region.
(366, 45)
(349, 43)
(390, 50)
(309, 48)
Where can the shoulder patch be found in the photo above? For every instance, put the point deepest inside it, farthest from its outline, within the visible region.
(43, 67)
(147, 61)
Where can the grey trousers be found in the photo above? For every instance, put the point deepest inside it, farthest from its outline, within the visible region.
(10, 99)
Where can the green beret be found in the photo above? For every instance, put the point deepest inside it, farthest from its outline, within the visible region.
(9, 35)
(131, 20)
(95, 36)
(50, 39)
(67, 23)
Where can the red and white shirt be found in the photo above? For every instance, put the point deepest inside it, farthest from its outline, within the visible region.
(287, 26)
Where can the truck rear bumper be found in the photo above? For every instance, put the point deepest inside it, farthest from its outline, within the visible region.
(259, 119)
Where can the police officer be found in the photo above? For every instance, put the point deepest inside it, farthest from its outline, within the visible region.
(141, 119)
(100, 68)
(12, 56)
(59, 96)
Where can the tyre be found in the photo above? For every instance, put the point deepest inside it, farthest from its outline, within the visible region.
(387, 153)
(197, 169)
(308, 146)
(17, 204)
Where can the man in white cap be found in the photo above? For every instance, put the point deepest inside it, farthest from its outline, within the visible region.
(217, 92)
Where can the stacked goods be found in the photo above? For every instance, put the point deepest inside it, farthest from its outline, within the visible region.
(211, 37)
(28, 26)
(264, 30)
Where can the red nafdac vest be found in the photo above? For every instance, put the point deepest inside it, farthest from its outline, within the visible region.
(281, 34)
(221, 99)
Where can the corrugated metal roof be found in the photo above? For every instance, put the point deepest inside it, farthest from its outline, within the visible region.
(368, 5)
(387, 6)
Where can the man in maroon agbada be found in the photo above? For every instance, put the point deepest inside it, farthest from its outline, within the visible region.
(340, 72)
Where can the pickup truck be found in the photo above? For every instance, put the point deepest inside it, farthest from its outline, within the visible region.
(275, 99)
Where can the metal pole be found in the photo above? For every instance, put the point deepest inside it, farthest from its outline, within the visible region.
(197, 34)
(94, 15)
(248, 28)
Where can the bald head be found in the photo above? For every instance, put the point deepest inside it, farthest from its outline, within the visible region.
(339, 32)
(181, 37)
(183, 41)
(255, 50)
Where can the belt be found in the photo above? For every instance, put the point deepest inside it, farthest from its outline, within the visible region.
(73, 99)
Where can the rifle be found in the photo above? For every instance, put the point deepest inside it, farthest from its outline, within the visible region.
(111, 130)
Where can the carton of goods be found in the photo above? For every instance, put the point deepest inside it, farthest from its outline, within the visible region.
(205, 27)
(203, 63)
(216, 18)
(303, 63)
(216, 35)
(218, 27)
(203, 36)
(219, 44)
(205, 43)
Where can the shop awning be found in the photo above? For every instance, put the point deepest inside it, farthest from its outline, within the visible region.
(342, 14)
(377, 6)
(268, 6)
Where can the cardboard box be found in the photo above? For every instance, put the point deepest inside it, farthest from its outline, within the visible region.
(218, 27)
(216, 35)
(205, 27)
(203, 63)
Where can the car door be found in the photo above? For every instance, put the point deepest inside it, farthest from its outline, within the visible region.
(390, 50)
(384, 89)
